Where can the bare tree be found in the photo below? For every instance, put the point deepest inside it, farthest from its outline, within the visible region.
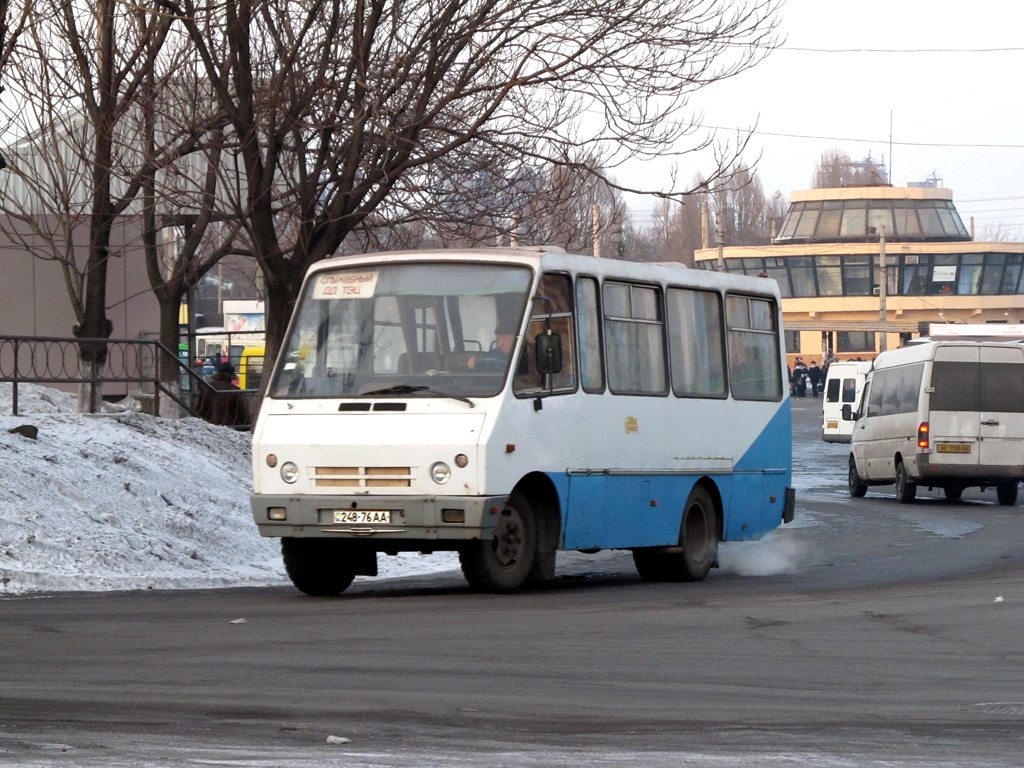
(835, 169)
(13, 17)
(341, 105)
(94, 140)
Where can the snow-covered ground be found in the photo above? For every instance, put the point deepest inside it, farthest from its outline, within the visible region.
(121, 501)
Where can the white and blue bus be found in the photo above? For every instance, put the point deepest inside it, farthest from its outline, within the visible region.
(510, 403)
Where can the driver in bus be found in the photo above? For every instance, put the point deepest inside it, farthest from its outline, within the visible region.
(496, 358)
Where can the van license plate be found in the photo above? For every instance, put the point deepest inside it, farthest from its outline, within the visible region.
(954, 448)
(363, 516)
(832, 425)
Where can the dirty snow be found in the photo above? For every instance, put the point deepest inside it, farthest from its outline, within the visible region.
(123, 501)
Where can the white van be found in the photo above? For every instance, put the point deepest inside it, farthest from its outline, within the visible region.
(843, 385)
(944, 415)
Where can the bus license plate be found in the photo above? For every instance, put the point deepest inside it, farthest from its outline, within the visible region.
(363, 516)
(954, 448)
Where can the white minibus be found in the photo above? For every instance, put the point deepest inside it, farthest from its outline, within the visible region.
(944, 415)
(843, 384)
(509, 403)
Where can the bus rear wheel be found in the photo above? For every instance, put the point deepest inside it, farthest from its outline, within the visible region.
(697, 552)
(502, 563)
(318, 567)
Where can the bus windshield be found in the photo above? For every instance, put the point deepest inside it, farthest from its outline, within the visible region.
(426, 329)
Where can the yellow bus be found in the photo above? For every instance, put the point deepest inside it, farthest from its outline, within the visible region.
(250, 367)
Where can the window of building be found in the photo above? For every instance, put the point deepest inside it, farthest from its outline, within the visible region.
(992, 276)
(855, 341)
(792, 341)
(905, 220)
(830, 277)
(809, 220)
(857, 276)
(879, 217)
(791, 221)
(854, 219)
(931, 226)
(950, 219)
(801, 269)
(830, 219)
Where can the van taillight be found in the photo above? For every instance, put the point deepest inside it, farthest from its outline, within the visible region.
(922, 435)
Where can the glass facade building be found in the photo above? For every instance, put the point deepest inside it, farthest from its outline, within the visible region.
(826, 259)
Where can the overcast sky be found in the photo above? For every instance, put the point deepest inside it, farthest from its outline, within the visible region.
(946, 75)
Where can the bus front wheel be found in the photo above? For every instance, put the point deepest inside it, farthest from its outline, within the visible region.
(318, 567)
(502, 563)
(698, 545)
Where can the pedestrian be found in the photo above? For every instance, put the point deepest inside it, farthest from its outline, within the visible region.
(814, 374)
(799, 378)
(222, 401)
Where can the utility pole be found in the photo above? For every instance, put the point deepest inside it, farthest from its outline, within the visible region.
(720, 235)
(882, 286)
(596, 215)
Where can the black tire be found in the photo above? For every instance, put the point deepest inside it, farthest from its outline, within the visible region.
(953, 492)
(698, 542)
(1007, 493)
(502, 563)
(318, 567)
(906, 491)
(857, 486)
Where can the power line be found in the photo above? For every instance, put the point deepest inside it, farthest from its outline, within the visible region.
(759, 132)
(797, 49)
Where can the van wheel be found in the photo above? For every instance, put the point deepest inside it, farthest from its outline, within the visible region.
(953, 492)
(698, 542)
(1007, 493)
(318, 567)
(857, 486)
(905, 490)
(502, 563)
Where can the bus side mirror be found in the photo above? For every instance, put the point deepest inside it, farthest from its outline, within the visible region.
(848, 412)
(549, 352)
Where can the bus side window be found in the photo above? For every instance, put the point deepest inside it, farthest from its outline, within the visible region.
(554, 311)
(588, 323)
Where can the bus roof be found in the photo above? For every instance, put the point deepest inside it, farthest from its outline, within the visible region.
(556, 259)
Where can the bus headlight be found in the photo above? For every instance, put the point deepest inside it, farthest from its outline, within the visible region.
(440, 472)
(461, 461)
(289, 472)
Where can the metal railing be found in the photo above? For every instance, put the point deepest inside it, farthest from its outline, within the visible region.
(59, 360)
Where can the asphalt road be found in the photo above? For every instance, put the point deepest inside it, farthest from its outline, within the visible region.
(867, 633)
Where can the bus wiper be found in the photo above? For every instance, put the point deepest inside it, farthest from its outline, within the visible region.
(408, 389)
(398, 389)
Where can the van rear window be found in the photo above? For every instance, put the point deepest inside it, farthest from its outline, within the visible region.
(963, 386)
